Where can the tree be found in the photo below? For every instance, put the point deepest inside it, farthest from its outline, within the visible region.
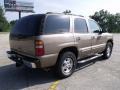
(102, 18)
(12, 23)
(108, 22)
(4, 25)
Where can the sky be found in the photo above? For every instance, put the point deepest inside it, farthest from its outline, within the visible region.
(80, 7)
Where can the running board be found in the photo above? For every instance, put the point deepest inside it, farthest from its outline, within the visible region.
(90, 58)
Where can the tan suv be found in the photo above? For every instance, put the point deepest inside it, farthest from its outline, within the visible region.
(59, 40)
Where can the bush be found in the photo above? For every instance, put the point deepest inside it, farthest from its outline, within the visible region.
(4, 25)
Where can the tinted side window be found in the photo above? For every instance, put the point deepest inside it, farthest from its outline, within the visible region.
(93, 25)
(80, 25)
(57, 24)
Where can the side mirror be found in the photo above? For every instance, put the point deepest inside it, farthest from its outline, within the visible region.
(98, 31)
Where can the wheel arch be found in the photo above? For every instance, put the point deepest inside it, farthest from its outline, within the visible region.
(110, 40)
(71, 48)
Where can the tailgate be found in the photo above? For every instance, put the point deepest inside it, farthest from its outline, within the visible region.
(22, 35)
(23, 45)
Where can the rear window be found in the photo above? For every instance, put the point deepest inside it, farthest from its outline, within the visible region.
(56, 24)
(30, 25)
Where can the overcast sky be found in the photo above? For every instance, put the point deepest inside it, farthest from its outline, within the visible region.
(83, 7)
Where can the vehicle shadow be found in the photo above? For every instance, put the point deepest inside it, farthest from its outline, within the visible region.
(12, 78)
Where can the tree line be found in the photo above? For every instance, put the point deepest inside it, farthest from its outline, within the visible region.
(4, 24)
(108, 22)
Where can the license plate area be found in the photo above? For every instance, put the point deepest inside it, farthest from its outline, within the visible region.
(29, 64)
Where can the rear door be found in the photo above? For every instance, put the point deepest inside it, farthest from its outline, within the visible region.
(23, 34)
(82, 37)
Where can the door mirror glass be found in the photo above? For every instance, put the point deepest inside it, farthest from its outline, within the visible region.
(98, 31)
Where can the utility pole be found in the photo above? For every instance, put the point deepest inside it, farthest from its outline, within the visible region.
(19, 14)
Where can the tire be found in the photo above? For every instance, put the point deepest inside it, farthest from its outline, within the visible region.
(108, 50)
(66, 64)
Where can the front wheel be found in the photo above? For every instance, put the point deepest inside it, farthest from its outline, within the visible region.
(66, 64)
(108, 50)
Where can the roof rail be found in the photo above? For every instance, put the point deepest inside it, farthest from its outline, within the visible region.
(64, 13)
(53, 13)
(74, 14)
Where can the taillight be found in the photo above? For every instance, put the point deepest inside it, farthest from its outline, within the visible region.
(39, 48)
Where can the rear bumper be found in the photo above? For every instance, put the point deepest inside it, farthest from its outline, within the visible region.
(27, 61)
(38, 62)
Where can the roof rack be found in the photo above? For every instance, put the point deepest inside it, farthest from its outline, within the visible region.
(64, 13)
(53, 13)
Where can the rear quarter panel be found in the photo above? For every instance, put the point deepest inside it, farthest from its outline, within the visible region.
(52, 45)
(55, 42)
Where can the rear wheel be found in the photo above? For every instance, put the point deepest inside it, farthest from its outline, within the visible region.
(66, 64)
(108, 50)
